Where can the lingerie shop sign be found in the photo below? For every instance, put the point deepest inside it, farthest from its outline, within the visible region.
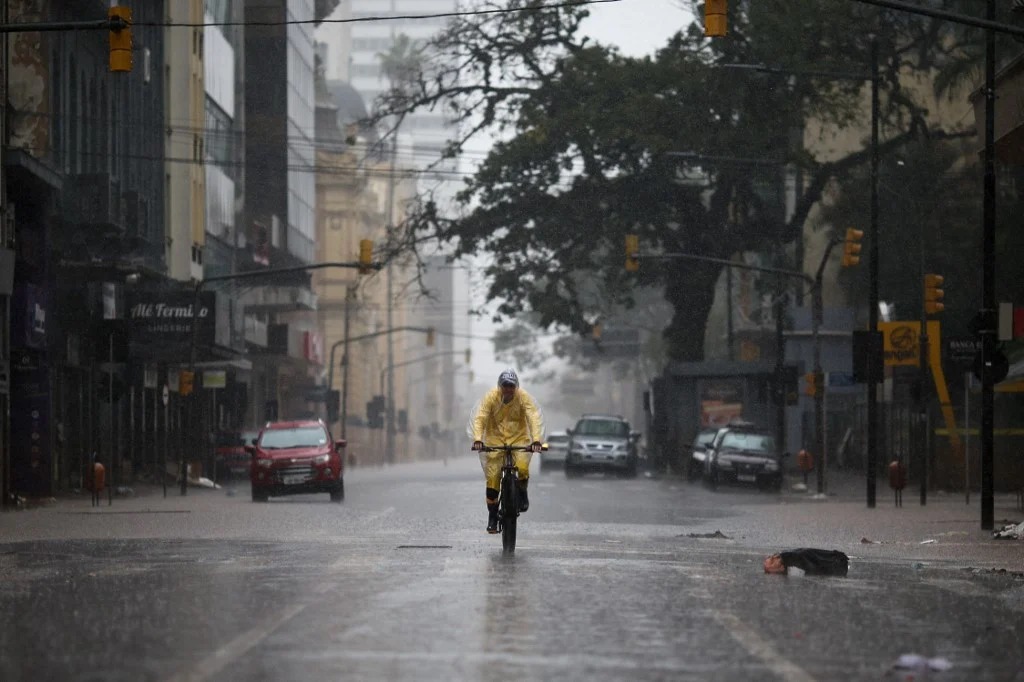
(162, 317)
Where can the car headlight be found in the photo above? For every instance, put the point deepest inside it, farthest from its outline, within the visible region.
(322, 459)
(264, 462)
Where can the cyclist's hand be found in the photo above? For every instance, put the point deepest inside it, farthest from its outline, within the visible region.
(536, 446)
(478, 445)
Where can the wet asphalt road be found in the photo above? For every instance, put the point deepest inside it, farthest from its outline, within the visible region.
(401, 583)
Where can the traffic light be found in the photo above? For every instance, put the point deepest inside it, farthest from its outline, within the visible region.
(595, 332)
(851, 247)
(632, 253)
(120, 38)
(430, 337)
(365, 256)
(811, 384)
(375, 412)
(933, 294)
(716, 22)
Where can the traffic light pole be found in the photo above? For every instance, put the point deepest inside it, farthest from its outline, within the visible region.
(344, 360)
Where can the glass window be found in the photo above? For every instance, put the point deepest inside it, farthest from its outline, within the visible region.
(750, 442)
(602, 427)
(300, 437)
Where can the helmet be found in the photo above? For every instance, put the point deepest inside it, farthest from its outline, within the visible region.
(508, 376)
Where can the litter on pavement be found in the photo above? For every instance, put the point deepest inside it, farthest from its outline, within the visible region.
(809, 561)
(921, 664)
(1010, 532)
(717, 535)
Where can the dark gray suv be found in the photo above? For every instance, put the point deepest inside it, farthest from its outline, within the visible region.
(602, 442)
(743, 454)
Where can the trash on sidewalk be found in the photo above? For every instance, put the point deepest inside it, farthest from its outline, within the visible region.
(866, 541)
(124, 491)
(920, 664)
(810, 561)
(1010, 532)
(203, 482)
(928, 542)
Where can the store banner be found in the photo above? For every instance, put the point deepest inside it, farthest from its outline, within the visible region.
(166, 317)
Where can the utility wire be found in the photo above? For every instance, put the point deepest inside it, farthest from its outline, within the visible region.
(355, 20)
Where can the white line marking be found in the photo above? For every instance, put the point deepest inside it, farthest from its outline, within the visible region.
(236, 648)
(758, 647)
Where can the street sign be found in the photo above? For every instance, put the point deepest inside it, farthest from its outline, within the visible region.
(840, 379)
(962, 349)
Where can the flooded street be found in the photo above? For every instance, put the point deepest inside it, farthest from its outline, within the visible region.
(611, 579)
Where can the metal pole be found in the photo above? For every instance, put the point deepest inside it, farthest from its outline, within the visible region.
(110, 402)
(349, 297)
(780, 369)
(988, 281)
(967, 437)
(873, 237)
(730, 340)
(389, 439)
(819, 397)
(163, 459)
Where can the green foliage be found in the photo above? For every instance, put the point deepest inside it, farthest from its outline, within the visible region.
(590, 145)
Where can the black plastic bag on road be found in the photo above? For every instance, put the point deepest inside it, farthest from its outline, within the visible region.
(810, 561)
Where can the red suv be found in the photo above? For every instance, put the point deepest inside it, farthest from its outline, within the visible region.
(292, 457)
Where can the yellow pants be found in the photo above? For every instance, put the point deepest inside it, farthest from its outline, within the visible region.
(492, 461)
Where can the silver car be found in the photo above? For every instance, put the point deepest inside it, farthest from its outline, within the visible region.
(554, 456)
(602, 443)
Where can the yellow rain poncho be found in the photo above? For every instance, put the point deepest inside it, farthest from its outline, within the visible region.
(518, 422)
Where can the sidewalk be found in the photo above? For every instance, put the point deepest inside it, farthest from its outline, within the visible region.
(946, 528)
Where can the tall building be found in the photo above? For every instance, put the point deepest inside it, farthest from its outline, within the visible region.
(280, 200)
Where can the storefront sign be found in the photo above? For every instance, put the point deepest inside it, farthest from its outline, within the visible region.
(165, 317)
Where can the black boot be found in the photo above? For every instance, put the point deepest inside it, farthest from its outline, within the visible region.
(524, 499)
(492, 511)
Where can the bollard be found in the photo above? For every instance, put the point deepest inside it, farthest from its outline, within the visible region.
(805, 463)
(99, 475)
(897, 480)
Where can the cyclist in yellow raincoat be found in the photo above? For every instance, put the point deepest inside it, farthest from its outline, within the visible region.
(507, 415)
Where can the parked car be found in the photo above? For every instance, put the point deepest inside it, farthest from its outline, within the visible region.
(558, 446)
(601, 442)
(698, 452)
(292, 457)
(230, 460)
(744, 454)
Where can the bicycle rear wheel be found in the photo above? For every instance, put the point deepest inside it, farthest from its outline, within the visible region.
(508, 512)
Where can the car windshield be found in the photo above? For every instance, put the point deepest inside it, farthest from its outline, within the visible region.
(704, 439)
(602, 427)
(299, 437)
(748, 442)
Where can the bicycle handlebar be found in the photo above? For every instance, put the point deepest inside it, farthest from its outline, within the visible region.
(503, 448)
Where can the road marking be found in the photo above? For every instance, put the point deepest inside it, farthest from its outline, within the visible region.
(216, 661)
(211, 665)
(758, 647)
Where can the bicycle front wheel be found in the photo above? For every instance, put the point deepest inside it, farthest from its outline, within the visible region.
(509, 511)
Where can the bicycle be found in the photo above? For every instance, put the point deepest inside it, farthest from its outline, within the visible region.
(508, 493)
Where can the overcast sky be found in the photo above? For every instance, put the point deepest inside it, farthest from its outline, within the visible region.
(637, 27)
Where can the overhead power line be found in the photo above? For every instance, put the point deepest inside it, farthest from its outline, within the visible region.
(355, 20)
